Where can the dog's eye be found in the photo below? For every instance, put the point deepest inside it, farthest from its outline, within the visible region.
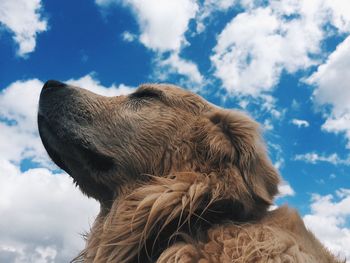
(144, 94)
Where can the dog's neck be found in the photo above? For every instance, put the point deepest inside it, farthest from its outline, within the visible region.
(145, 220)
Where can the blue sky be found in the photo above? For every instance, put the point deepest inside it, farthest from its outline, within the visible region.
(286, 63)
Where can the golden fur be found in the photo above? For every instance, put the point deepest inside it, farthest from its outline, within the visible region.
(178, 179)
(279, 237)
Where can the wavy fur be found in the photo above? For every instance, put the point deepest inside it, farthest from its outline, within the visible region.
(280, 237)
(148, 210)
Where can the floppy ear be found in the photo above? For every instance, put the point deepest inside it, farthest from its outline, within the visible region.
(230, 139)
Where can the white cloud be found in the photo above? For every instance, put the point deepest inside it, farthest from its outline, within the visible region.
(19, 102)
(42, 214)
(267, 125)
(163, 25)
(128, 37)
(277, 155)
(24, 19)
(19, 137)
(279, 163)
(254, 48)
(175, 64)
(90, 83)
(316, 158)
(285, 189)
(340, 14)
(209, 9)
(257, 45)
(266, 39)
(332, 80)
(329, 221)
(300, 123)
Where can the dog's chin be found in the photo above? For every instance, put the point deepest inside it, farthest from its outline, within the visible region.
(86, 166)
(51, 143)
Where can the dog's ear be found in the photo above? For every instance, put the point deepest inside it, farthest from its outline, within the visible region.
(231, 139)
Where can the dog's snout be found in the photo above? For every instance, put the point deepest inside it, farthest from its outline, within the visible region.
(50, 90)
(51, 94)
(53, 84)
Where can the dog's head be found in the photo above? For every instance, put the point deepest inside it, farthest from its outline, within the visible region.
(109, 144)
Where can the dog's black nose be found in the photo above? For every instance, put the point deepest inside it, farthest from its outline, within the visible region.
(53, 84)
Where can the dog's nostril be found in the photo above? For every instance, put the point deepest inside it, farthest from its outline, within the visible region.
(53, 84)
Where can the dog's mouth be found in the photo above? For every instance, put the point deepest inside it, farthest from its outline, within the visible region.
(48, 139)
(84, 165)
(60, 151)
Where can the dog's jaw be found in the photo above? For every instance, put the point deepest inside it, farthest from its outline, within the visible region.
(75, 155)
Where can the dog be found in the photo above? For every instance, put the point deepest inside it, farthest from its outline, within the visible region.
(178, 179)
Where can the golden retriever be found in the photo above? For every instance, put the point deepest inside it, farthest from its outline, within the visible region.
(178, 179)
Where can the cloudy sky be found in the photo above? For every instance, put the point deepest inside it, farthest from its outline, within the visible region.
(286, 63)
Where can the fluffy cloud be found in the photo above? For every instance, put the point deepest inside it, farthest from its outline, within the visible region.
(285, 189)
(340, 14)
(211, 7)
(332, 89)
(253, 49)
(257, 45)
(316, 158)
(90, 83)
(24, 19)
(329, 221)
(177, 65)
(42, 213)
(300, 123)
(18, 137)
(332, 79)
(163, 25)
